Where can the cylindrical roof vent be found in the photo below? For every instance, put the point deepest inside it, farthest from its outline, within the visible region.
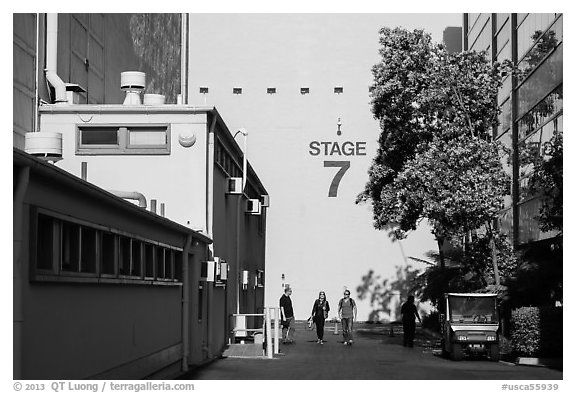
(44, 145)
(133, 83)
(154, 99)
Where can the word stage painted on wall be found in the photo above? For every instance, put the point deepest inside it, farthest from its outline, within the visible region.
(330, 149)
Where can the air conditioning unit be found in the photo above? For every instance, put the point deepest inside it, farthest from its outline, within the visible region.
(265, 200)
(259, 278)
(223, 271)
(253, 206)
(234, 185)
(207, 271)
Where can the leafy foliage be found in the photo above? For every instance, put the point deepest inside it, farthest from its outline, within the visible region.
(547, 179)
(537, 331)
(156, 40)
(435, 160)
(470, 269)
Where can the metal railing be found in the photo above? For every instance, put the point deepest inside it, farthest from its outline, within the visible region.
(270, 323)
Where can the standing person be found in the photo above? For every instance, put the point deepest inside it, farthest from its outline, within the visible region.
(409, 314)
(320, 311)
(287, 313)
(347, 313)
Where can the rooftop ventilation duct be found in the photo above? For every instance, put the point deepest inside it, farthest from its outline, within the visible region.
(44, 145)
(133, 83)
(51, 59)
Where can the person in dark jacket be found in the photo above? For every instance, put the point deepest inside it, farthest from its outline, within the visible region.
(409, 314)
(320, 311)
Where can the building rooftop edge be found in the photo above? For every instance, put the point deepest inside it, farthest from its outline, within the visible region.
(22, 158)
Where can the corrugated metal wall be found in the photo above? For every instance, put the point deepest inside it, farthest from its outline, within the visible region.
(24, 74)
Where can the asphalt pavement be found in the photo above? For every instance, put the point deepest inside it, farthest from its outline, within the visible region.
(373, 356)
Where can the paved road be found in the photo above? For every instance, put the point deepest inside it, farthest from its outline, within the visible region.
(374, 356)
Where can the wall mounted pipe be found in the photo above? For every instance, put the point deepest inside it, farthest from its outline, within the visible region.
(186, 302)
(18, 268)
(131, 195)
(51, 59)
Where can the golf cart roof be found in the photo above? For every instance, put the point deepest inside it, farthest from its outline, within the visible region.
(471, 294)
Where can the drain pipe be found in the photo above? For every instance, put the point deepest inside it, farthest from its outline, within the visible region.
(131, 195)
(51, 59)
(19, 266)
(186, 302)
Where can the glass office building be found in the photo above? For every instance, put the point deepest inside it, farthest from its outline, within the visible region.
(531, 102)
(531, 105)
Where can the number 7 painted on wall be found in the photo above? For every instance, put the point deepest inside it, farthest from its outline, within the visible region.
(344, 166)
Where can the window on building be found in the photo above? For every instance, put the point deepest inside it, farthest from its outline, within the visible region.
(237, 90)
(530, 29)
(92, 137)
(338, 90)
(160, 263)
(224, 160)
(70, 247)
(90, 252)
(108, 253)
(178, 255)
(45, 242)
(169, 264)
(125, 253)
(203, 90)
(148, 260)
(136, 261)
(142, 139)
(147, 137)
(542, 44)
(304, 90)
(271, 90)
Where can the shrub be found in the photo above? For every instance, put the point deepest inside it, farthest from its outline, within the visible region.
(537, 331)
(431, 321)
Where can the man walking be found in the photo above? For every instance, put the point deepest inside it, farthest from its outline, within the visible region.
(409, 314)
(287, 313)
(347, 314)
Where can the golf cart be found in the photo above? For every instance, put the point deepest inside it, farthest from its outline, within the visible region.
(470, 325)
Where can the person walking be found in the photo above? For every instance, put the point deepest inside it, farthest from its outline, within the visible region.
(409, 314)
(320, 311)
(287, 314)
(347, 314)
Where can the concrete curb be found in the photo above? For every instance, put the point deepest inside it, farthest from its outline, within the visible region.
(539, 362)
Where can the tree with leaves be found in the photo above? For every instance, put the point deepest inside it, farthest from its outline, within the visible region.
(436, 160)
(156, 39)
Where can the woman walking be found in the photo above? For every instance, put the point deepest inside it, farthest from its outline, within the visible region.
(319, 314)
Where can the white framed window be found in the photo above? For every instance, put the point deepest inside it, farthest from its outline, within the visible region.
(115, 139)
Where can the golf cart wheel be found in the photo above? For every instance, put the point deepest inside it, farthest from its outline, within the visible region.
(494, 352)
(457, 352)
